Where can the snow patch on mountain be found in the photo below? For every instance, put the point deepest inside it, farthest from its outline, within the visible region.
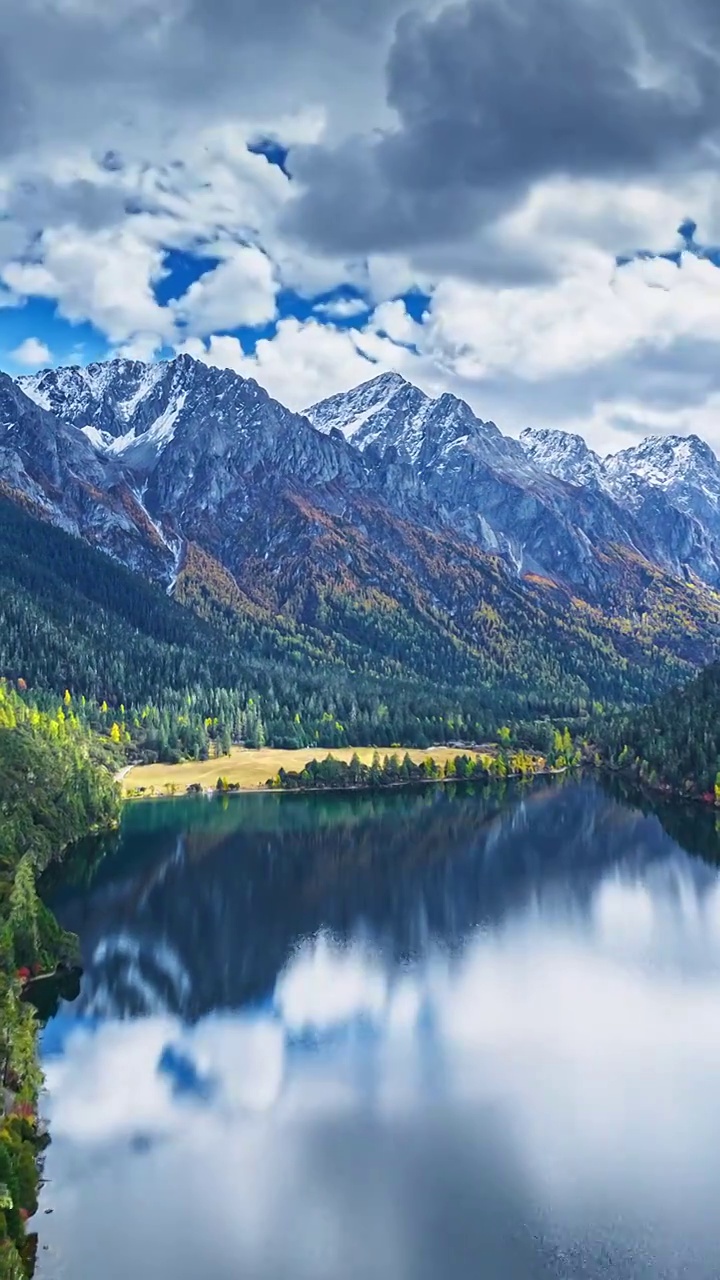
(684, 467)
(349, 411)
(563, 454)
(100, 440)
(388, 412)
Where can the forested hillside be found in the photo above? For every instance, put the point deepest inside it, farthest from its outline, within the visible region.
(55, 786)
(346, 666)
(674, 742)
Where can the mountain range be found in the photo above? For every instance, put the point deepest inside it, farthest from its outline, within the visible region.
(397, 524)
(170, 448)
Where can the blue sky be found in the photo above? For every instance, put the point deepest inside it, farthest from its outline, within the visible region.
(343, 309)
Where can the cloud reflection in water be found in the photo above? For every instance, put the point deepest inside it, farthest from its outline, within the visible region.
(540, 1101)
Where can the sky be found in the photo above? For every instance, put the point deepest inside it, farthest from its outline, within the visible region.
(514, 200)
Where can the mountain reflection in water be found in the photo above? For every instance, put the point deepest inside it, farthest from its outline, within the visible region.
(445, 1033)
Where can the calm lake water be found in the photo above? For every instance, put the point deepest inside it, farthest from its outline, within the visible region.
(435, 1035)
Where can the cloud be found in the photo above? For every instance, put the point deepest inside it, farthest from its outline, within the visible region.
(240, 291)
(307, 361)
(152, 69)
(39, 201)
(498, 156)
(103, 277)
(326, 985)
(492, 98)
(392, 318)
(342, 308)
(596, 313)
(32, 353)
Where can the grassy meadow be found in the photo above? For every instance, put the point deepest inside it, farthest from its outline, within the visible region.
(251, 769)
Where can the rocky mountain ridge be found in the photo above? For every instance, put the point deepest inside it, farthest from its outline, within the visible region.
(381, 496)
(670, 484)
(662, 498)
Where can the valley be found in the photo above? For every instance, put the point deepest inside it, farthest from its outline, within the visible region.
(179, 548)
(203, 592)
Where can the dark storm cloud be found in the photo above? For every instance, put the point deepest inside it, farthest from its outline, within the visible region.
(14, 105)
(72, 70)
(44, 203)
(493, 95)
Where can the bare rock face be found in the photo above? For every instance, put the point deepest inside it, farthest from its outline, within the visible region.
(55, 466)
(140, 458)
(670, 484)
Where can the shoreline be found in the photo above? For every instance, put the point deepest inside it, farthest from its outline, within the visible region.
(662, 790)
(249, 768)
(208, 793)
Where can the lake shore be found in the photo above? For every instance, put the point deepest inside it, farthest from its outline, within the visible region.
(248, 770)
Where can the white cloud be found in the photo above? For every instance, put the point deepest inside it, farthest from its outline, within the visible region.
(393, 319)
(92, 236)
(306, 360)
(560, 219)
(108, 1102)
(596, 313)
(342, 308)
(121, 1090)
(326, 984)
(240, 291)
(103, 277)
(32, 353)
(141, 346)
(389, 276)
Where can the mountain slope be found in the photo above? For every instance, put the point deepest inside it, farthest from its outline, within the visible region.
(55, 465)
(205, 447)
(445, 652)
(400, 537)
(545, 502)
(669, 484)
(72, 618)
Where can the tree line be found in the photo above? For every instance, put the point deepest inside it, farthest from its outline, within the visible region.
(171, 681)
(392, 770)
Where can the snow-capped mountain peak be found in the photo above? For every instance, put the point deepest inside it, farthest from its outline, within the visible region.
(389, 412)
(127, 410)
(211, 452)
(113, 386)
(683, 467)
(562, 454)
(662, 460)
(360, 414)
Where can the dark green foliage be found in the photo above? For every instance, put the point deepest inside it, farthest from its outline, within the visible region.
(675, 742)
(337, 667)
(330, 774)
(52, 791)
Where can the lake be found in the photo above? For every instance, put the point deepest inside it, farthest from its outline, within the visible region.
(449, 1033)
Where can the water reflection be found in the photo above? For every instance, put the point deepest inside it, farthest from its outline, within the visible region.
(442, 1034)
